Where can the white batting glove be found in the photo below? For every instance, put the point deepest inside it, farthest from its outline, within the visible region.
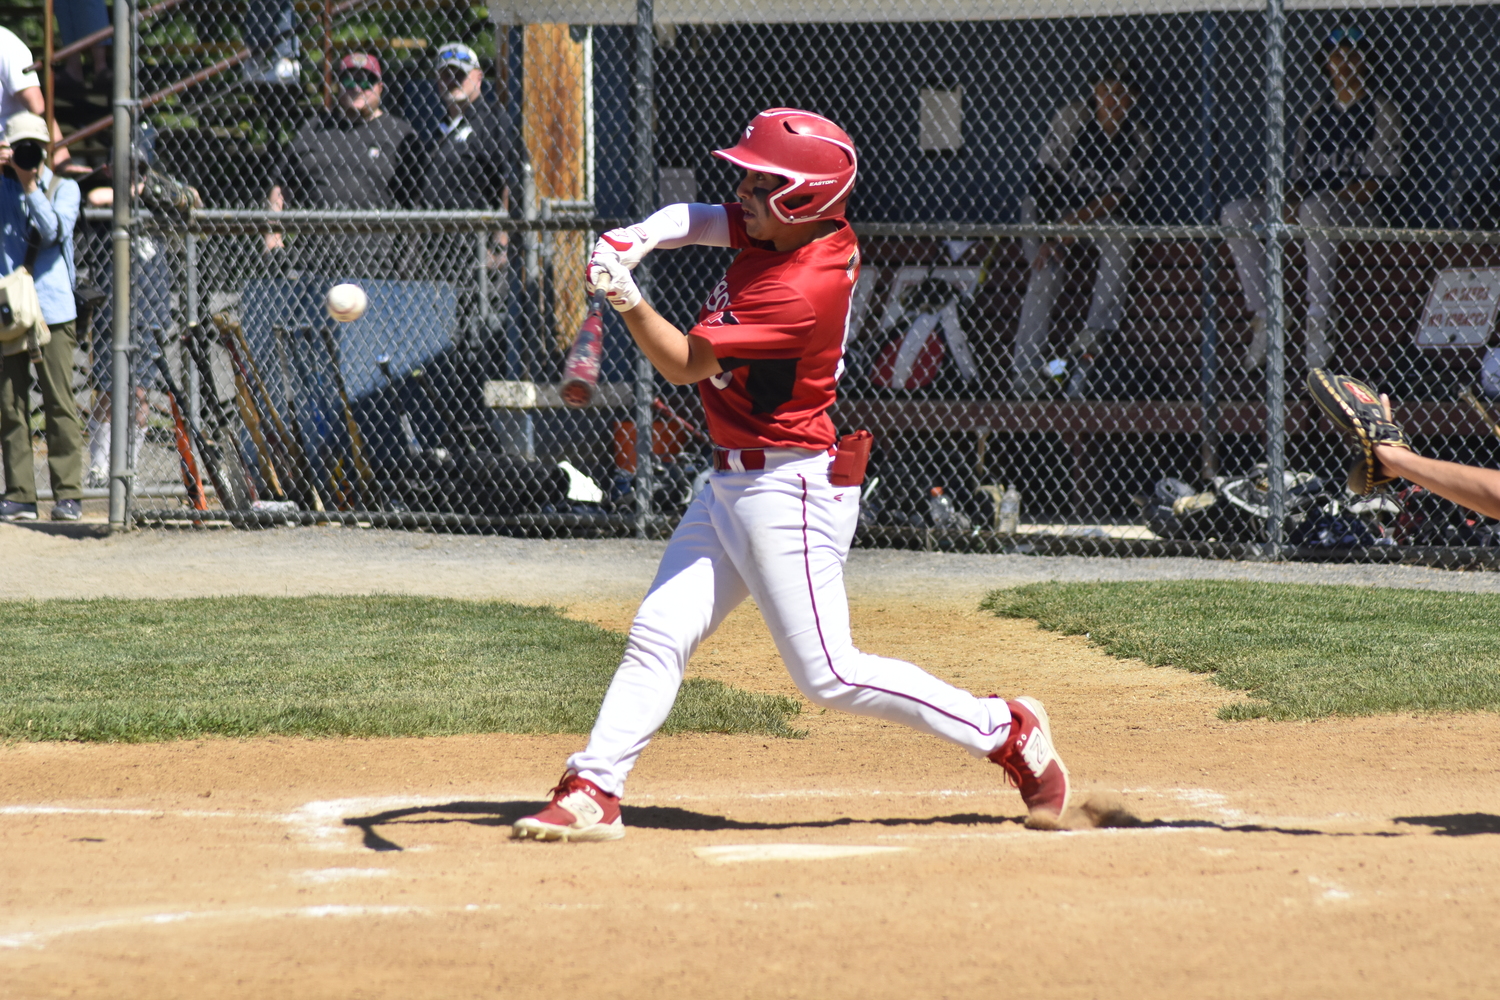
(608, 274)
(631, 244)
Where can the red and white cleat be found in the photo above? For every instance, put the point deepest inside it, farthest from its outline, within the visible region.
(579, 810)
(1030, 759)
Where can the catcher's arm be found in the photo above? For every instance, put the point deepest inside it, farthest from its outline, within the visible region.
(1382, 451)
(1466, 485)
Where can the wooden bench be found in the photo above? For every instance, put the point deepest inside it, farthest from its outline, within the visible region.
(1083, 459)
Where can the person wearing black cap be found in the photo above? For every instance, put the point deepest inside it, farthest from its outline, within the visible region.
(1089, 169)
(1349, 145)
(357, 156)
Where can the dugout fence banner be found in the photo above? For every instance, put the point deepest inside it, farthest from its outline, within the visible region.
(1102, 243)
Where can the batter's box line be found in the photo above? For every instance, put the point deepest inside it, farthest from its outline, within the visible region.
(41, 938)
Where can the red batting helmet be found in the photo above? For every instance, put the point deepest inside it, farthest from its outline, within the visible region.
(815, 155)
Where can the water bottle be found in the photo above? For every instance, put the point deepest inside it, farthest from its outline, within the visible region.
(1010, 511)
(943, 513)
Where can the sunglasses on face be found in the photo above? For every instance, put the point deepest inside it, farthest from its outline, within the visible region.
(1341, 35)
(358, 81)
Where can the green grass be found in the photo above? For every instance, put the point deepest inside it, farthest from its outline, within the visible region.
(346, 666)
(1301, 652)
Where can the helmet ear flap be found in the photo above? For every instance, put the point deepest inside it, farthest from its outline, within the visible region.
(801, 150)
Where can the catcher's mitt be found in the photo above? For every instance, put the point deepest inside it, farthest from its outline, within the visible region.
(1357, 410)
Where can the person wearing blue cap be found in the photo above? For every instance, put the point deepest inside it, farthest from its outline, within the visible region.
(470, 157)
(469, 164)
(1349, 146)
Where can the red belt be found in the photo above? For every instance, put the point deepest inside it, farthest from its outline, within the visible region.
(751, 459)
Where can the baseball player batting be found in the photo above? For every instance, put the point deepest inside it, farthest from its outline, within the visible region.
(782, 504)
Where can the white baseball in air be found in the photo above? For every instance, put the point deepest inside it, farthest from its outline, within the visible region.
(347, 302)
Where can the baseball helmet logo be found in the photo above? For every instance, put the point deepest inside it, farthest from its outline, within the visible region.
(815, 156)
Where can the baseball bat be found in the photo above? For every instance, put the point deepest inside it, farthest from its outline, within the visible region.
(581, 369)
(267, 456)
(1470, 397)
(294, 384)
(180, 428)
(290, 390)
(671, 415)
(368, 490)
(321, 448)
(231, 494)
(291, 457)
(238, 479)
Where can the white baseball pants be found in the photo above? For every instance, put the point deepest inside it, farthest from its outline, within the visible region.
(1106, 308)
(780, 536)
(1320, 209)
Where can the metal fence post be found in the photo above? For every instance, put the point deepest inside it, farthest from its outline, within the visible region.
(1275, 300)
(1209, 264)
(645, 204)
(122, 412)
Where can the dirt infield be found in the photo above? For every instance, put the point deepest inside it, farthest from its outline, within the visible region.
(1335, 858)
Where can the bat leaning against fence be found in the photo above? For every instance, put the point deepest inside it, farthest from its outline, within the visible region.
(180, 427)
(369, 489)
(272, 457)
(234, 462)
(309, 473)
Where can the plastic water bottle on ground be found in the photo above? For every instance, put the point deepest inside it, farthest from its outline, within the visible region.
(943, 513)
(1010, 511)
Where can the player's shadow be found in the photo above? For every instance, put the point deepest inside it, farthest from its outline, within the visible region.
(638, 817)
(376, 827)
(1456, 824)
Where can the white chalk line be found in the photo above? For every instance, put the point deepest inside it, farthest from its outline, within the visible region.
(39, 939)
(323, 876)
(48, 810)
(728, 854)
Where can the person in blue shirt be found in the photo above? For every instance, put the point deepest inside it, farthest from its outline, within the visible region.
(35, 207)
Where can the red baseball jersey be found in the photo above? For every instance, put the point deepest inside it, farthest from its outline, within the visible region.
(778, 323)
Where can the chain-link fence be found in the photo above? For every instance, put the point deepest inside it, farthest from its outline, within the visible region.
(1102, 244)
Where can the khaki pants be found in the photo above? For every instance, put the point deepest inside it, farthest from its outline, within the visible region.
(64, 431)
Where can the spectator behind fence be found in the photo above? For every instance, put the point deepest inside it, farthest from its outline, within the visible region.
(151, 285)
(1089, 169)
(470, 164)
(38, 210)
(1348, 147)
(354, 157)
(19, 88)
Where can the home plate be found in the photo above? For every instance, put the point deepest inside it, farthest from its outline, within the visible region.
(728, 854)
